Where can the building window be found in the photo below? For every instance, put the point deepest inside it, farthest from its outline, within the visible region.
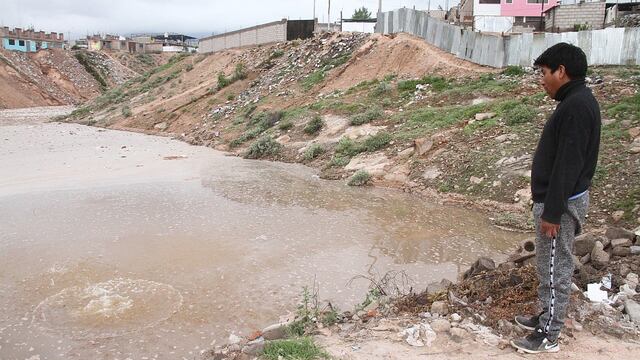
(489, 1)
(12, 42)
(509, 1)
(21, 42)
(537, 1)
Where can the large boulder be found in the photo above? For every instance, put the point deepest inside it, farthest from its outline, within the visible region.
(619, 233)
(632, 309)
(621, 251)
(621, 242)
(583, 244)
(481, 265)
(440, 308)
(599, 257)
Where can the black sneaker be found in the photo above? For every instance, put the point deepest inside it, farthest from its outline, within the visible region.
(528, 323)
(536, 343)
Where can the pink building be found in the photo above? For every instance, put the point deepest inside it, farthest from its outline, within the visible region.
(525, 7)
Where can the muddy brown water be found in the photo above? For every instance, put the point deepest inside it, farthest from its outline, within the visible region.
(117, 245)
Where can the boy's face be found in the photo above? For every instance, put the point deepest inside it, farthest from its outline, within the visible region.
(552, 81)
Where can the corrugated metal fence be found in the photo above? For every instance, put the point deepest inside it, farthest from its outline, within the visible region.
(613, 46)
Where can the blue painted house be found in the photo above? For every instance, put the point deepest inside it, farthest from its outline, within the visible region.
(29, 40)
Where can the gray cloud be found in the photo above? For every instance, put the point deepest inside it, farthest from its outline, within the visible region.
(199, 17)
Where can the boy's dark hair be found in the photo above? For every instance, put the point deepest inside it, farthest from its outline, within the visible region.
(571, 56)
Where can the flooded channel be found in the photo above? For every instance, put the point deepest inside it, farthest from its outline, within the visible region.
(117, 245)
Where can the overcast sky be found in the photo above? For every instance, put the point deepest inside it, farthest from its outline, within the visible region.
(196, 17)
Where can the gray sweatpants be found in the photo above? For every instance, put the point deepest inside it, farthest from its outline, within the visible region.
(555, 264)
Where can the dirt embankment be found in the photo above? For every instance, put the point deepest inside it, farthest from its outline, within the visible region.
(407, 114)
(57, 77)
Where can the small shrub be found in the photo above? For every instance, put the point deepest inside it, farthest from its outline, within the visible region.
(285, 125)
(126, 111)
(231, 97)
(276, 54)
(81, 111)
(240, 73)
(376, 142)
(188, 67)
(223, 81)
(340, 161)
(313, 151)
(347, 148)
(382, 89)
(264, 146)
(513, 71)
(314, 126)
(330, 317)
(371, 114)
(360, 178)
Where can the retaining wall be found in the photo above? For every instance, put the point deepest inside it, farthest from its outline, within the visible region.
(612, 46)
(261, 34)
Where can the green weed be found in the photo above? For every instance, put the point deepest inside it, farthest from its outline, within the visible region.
(293, 349)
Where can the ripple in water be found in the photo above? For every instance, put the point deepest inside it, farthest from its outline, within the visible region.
(108, 309)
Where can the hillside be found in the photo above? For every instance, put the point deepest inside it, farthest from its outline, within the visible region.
(405, 113)
(57, 77)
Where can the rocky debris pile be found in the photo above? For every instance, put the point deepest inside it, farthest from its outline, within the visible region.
(32, 72)
(70, 68)
(608, 261)
(631, 20)
(114, 72)
(290, 62)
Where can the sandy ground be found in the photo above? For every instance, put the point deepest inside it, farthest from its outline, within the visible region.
(585, 346)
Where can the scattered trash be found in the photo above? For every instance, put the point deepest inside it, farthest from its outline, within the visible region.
(594, 293)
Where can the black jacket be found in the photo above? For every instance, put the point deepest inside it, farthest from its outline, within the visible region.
(567, 154)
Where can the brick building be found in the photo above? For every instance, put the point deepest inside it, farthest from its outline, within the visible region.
(28, 40)
(574, 17)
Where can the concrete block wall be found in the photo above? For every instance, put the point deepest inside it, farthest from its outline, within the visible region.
(565, 17)
(611, 46)
(261, 34)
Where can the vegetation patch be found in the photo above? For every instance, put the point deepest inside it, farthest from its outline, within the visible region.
(425, 120)
(126, 111)
(627, 108)
(314, 126)
(293, 349)
(313, 151)
(514, 71)
(437, 83)
(368, 116)
(360, 178)
(83, 59)
(265, 146)
(516, 112)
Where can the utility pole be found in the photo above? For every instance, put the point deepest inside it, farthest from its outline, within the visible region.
(429, 8)
(379, 6)
(314, 10)
(329, 17)
(542, 16)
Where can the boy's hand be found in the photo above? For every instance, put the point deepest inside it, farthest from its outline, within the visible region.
(549, 230)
